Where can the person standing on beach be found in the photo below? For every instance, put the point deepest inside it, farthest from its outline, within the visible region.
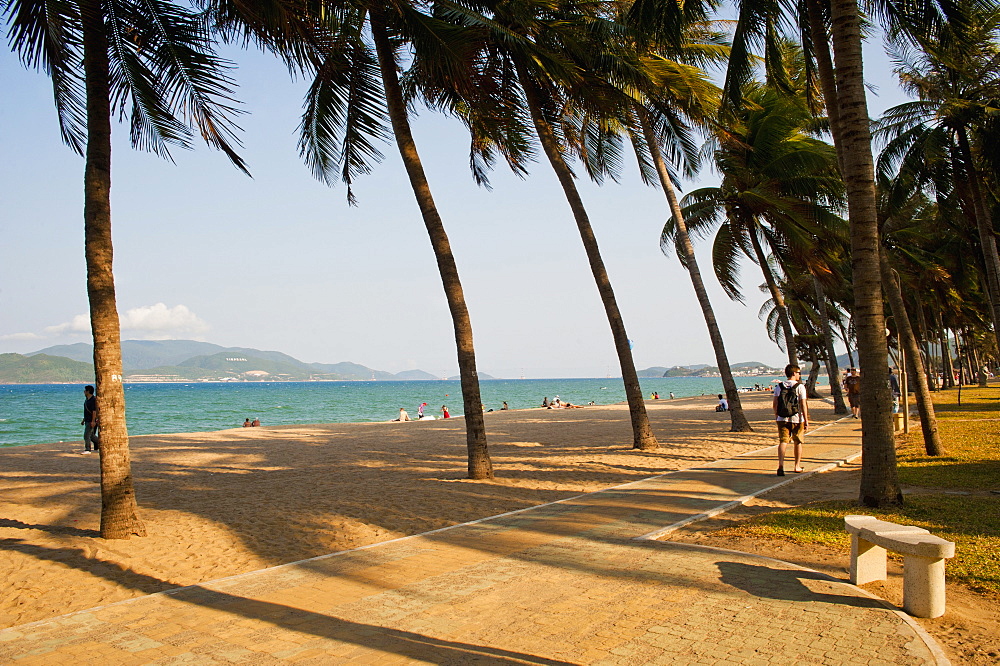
(90, 420)
(852, 385)
(791, 411)
(420, 410)
(445, 414)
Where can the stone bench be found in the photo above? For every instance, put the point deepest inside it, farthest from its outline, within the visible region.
(923, 560)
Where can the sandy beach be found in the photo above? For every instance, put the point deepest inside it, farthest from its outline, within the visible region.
(222, 503)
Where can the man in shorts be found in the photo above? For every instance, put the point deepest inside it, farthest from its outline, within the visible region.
(852, 385)
(790, 396)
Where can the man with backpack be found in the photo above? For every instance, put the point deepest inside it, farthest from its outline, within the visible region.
(791, 411)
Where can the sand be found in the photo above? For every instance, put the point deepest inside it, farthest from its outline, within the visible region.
(223, 503)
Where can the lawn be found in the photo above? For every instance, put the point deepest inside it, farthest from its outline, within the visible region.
(956, 496)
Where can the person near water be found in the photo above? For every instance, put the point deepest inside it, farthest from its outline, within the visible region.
(671, 395)
(504, 408)
(445, 414)
(852, 385)
(791, 411)
(246, 423)
(255, 422)
(420, 410)
(723, 405)
(90, 420)
(545, 401)
(403, 416)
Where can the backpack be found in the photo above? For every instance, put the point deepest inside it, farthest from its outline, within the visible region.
(788, 400)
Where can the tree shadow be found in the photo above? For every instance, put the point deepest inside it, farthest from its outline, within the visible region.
(67, 530)
(787, 585)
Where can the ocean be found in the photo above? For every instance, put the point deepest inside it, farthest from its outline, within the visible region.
(42, 413)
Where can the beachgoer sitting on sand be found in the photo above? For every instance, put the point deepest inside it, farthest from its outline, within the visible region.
(723, 405)
(256, 422)
(246, 424)
(505, 407)
(403, 416)
(545, 402)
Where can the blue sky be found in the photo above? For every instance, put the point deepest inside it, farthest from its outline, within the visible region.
(281, 262)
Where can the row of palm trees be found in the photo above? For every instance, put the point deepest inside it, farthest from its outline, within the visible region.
(582, 80)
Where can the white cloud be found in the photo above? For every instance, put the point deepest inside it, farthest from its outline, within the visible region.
(21, 336)
(151, 322)
(79, 324)
(158, 322)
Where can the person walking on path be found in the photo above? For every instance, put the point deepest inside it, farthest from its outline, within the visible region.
(852, 384)
(791, 411)
(90, 421)
(894, 387)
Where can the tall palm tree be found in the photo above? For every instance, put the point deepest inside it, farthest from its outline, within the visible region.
(686, 91)
(776, 185)
(544, 53)
(953, 73)
(356, 86)
(153, 62)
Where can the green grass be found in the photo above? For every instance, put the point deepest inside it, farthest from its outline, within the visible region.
(972, 441)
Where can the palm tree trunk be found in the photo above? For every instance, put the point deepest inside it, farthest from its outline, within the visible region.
(987, 239)
(947, 367)
(738, 420)
(824, 67)
(480, 465)
(879, 481)
(813, 375)
(908, 341)
(925, 347)
(777, 297)
(846, 335)
(119, 511)
(832, 369)
(642, 434)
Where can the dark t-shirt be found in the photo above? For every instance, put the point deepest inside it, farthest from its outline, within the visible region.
(853, 384)
(89, 407)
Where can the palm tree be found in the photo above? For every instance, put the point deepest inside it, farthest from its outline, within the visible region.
(953, 73)
(776, 184)
(545, 53)
(153, 62)
(355, 88)
(687, 91)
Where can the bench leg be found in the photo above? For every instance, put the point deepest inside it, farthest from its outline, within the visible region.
(923, 586)
(867, 561)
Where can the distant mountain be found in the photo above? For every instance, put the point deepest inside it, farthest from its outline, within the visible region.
(655, 371)
(190, 360)
(415, 374)
(43, 369)
(482, 375)
(347, 370)
(747, 368)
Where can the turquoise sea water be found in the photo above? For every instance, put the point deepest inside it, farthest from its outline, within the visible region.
(39, 413)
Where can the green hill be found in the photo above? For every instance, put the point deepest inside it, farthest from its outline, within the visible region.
(43, 369)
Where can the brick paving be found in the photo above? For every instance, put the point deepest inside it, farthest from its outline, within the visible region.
(563, 583)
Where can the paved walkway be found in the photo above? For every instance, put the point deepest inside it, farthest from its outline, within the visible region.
(563, 583)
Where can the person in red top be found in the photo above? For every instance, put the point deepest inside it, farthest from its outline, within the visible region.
(444, 412)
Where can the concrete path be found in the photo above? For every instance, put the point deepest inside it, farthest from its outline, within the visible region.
(581, 581)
